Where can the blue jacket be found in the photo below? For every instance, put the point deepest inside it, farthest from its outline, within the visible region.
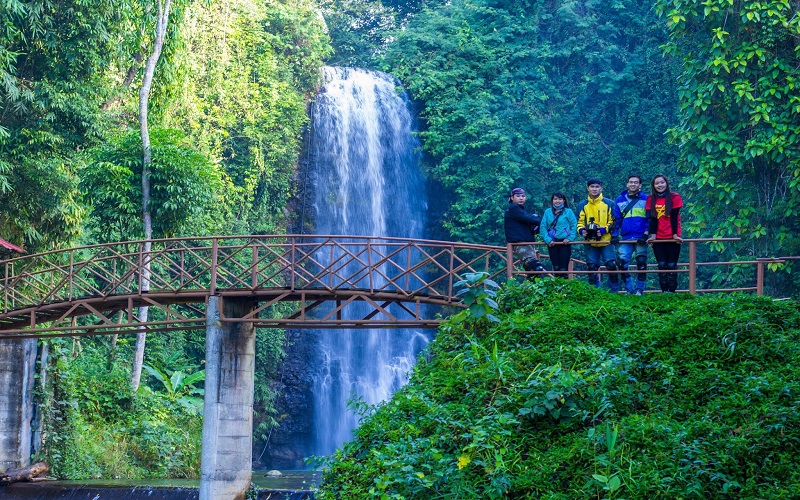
(635, 222)
(564, 227)
(519, 224)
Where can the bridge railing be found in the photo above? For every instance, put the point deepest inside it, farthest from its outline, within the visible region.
(103, 285)
(691, 268)
(245, 264)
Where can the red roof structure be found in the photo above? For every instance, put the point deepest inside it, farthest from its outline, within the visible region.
(11, 246)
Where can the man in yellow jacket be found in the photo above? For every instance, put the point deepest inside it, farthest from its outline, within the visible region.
(596, 225)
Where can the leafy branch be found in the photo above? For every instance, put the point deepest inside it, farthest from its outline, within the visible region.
(478, 296)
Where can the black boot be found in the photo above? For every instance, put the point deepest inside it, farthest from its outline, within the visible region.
(663, 278)
(672, 278)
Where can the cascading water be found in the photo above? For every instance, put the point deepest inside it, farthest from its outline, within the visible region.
(367, 181)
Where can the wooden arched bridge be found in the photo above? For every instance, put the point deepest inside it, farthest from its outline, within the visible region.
(319, 281)
(294, 281)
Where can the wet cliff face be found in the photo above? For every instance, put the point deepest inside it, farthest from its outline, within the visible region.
(291, 441)
(365, 179)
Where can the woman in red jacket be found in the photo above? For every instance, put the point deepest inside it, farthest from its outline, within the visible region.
(663, 210)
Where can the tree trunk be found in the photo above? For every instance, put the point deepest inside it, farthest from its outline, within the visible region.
(147, 222)
(25, 473)
(131, 74)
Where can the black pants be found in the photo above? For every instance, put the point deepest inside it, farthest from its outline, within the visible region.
(667, 255)
(559, 257)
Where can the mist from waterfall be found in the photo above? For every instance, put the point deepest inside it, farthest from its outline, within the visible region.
(367, 180)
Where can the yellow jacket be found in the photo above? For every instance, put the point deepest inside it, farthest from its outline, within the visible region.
(602, 209)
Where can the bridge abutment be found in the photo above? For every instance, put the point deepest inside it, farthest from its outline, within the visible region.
(17, 363)
(226, 461)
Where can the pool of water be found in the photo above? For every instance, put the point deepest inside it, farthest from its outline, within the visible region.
(292, 480)
(291, 485)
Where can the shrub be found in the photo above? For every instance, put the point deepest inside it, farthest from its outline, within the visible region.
(576, 393)
(95, 428)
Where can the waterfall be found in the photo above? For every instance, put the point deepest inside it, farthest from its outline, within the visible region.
(367, 181)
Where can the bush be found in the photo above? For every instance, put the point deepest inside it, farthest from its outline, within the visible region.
(95, 428)
(577, 393)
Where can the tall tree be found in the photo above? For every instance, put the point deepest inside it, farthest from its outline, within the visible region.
(162, 21)
(739, 133)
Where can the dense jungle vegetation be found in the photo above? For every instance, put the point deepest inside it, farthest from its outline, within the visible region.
(541, 94)
(227, 110)
(670, 396)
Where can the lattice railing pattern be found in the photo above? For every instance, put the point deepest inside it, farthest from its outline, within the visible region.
(97, 280)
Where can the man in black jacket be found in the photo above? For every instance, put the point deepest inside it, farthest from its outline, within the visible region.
(521, 226)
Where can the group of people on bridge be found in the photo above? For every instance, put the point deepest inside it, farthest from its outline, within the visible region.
(616, 233)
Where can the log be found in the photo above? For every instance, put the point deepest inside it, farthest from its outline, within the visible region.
(24, 473)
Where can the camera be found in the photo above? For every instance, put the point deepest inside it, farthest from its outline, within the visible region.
(593, 231)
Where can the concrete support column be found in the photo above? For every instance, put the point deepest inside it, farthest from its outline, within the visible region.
(226, 461)
(17, 366)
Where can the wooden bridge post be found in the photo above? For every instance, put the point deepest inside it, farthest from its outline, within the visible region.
(509, 262)
(760, 276)
(226, 460)
(692, 267)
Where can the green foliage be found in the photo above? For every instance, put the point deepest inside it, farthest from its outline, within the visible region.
(234, 77)
(95, 428)
(187, 191)
(180, 386)
(245, 79)
(538, 94)
(565, 397)
(739, 133)
(270, 345)
(54, 81)
(478, 297)
(359, 29)
(41, 205)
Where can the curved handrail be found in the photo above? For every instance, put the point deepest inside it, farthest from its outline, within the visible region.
(42, 291)
(48, 292)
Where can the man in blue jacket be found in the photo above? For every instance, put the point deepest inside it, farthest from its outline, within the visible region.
(521, 226)
(631, 217)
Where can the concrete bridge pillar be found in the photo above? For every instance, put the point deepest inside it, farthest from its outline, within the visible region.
(227, 456)
(17, 364)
